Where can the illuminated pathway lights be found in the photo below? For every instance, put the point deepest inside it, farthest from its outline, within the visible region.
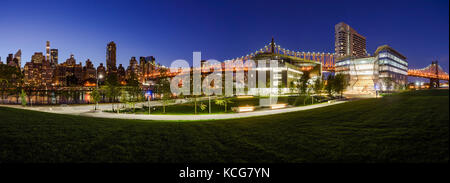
(277, 106)
(246, 109)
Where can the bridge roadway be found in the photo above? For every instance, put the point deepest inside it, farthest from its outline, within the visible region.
(87, 110)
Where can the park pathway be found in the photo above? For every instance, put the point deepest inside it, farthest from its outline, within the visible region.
(87, 110)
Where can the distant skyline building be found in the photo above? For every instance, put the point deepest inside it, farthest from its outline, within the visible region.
(47, 51)
(71, 60)
(111, 57)
(133, 68)
(14, 60)
(54, 56)
(348, 42)
(9, 59)
(101, 72)
(18, 58)
(37, 58)
(89, 72)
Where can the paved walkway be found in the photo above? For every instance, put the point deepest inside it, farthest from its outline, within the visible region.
(87, 110)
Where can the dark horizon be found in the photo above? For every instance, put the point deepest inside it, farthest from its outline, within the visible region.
(220, 30)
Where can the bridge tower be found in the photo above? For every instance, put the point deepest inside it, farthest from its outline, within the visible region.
(272, 46)
(434, 82)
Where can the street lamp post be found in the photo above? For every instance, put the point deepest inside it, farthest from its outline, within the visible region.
(97, 77)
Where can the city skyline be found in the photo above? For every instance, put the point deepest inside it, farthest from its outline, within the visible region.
(318, 35)
(225, 90)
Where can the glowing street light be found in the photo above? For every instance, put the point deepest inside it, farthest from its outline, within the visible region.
(97, 76)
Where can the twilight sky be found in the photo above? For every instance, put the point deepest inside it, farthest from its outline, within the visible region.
(221, 30)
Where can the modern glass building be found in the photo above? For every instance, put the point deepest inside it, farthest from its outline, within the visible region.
(385, 71)
(363, 74)
(393, 68)
(289, 70)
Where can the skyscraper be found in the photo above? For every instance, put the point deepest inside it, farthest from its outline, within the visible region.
(47, 51)
(14, 60)
(17, 58)
(54, 56)
(348, 42)
(9, 59)
(111, 57)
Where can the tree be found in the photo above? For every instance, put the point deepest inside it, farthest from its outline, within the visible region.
(4, 85)
(309, 87)
(112, 88)
(10, 78)
(162, 87)
(223, 102)
(318, 86)
(95, 97)
(134, 89)
(303, 83)
(340, 83)
(29, 90)
(23, 97)
(292, 87)
(203, 106)
(123, 97)
(329, 85)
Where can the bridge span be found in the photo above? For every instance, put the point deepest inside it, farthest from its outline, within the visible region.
(434, 72)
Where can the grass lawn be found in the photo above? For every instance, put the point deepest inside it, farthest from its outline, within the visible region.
(406, 127)
(189, 108)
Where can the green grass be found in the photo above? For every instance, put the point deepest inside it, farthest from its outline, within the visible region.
(407, 127)
(188, 108)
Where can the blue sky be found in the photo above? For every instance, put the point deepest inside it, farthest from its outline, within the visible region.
(221, 30)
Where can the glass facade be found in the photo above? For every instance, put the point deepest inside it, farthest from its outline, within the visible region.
(362, 72)
(385, 71)
(393, 68)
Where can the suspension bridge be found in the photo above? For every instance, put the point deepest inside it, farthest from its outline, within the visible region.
(326, 59)
(434, 72)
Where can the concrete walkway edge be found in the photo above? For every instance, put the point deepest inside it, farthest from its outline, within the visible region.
(87, 111)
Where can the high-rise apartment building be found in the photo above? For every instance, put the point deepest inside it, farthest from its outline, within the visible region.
(111, 57)
(14, 60)
(348, 42)
(133, 68)
(89, 72)
(17, 58)
(101, 72)
(37, 58)
(9, 59)
(121, 73)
